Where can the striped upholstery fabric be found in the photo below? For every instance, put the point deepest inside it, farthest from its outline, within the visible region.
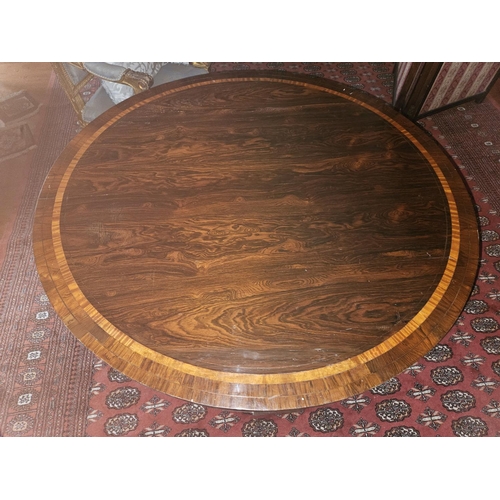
(457, 81)
(403, 70)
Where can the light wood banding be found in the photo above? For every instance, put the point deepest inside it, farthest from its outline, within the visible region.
(256, 240)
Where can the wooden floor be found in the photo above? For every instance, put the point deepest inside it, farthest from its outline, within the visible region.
(260, 241)
(14, 77)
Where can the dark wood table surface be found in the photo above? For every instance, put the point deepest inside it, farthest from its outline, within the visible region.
(256, 240)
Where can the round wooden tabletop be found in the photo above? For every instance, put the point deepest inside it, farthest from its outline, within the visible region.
(256, 240)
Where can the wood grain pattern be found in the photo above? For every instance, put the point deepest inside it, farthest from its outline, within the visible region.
(256, 240)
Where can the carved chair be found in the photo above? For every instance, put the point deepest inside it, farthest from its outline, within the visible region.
(74, 77)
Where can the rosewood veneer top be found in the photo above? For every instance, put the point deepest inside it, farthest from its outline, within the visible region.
(256, 240)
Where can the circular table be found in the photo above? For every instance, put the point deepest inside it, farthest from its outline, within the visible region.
(256, 240)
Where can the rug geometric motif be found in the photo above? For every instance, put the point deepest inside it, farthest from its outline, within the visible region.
(15, 141)
(15, 135)
(16, 107)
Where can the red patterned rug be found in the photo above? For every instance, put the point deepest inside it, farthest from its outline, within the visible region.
(44, 372)
(52, 386)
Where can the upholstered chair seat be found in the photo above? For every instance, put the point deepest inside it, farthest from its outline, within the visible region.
(118, 82)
